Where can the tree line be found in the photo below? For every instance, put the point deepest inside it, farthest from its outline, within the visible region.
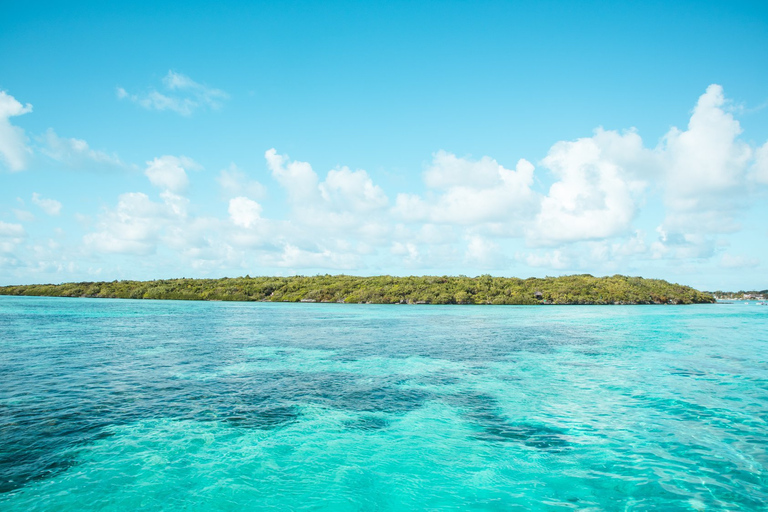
(485, 289)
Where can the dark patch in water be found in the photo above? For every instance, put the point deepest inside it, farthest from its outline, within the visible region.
(535, 436)
(472, 402)
(439, 379)
(38, 434)
(265, 418)
(348, 391)
(367, 423)
(31, 447)
(482, 409)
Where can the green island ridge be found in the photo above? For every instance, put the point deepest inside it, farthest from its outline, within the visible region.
(485, 289)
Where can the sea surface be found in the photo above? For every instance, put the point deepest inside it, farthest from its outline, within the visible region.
(116, 405)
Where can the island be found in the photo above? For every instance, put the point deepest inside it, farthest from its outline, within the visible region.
(484, 289)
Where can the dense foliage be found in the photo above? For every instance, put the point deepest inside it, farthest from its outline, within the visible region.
(576, 289)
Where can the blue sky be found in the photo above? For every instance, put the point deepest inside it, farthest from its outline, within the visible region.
(158, 140)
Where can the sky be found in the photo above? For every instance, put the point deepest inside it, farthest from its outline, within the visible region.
(152, 140)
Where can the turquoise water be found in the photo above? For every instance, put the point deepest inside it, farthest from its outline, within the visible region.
(163, 405)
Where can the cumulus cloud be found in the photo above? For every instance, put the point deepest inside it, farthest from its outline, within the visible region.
(132, 227)
(707, 158)
(49, 206)
(141, 226)
(181, 95)
(470, 192)
(595, 196)
(602, 198)
(137, 224)
(244, 212)
(14, 152)
(352, 190)
(347, 203)
(705, 174)
(168, 172)
(342, 189)
(297, 178)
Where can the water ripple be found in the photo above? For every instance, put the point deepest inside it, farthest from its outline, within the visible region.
(116, 405)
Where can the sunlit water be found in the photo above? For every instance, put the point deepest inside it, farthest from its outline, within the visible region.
(164, 405)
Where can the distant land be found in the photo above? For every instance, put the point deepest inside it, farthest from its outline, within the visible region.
(575, 289)
(741, 295)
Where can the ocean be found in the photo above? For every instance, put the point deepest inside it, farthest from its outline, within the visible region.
(116, 405)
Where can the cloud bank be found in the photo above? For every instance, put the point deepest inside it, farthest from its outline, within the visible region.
(604, 203)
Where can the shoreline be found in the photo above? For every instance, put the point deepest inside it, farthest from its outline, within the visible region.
(582, 289)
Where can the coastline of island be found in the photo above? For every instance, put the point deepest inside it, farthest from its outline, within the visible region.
(565, 290)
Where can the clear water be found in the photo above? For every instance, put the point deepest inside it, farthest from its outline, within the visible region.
(162, 405)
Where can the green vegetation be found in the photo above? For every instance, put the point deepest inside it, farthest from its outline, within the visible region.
(577, 289)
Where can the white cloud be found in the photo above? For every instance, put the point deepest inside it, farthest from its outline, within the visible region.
(448, 171)
(139, 226)
(595, 196)
(168, 172)
(133, 227)
(297, 178)
(705, 177)
(343, 190)
(8, 230)
(475, 213)
(346, 205)
(176, 204)
(483, 252)
(760, 167)
(707, 158)
(13, 148)
(631, 247)
(11, 235)
(352, 190)
(471, 192)
(244, 212)
(75, 152)
(183, 96)
(408, 251)
(49, 206)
